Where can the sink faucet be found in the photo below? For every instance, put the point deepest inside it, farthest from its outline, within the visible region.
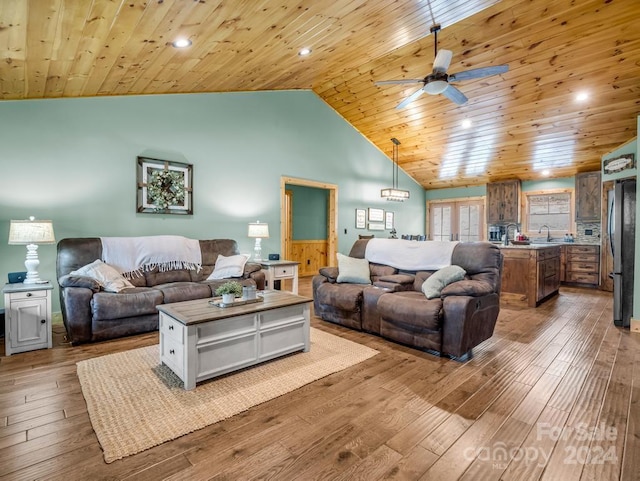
(548, 234)
(506, 233)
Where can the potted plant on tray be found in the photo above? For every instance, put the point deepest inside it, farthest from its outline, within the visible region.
(229, 290)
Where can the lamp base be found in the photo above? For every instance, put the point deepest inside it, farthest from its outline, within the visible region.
(31, 264)
(257, 250)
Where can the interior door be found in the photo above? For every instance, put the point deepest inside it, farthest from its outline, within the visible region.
(288, 224)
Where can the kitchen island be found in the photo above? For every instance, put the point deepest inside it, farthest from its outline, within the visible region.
(530, 274)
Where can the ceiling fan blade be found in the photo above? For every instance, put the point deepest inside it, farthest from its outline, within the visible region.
(410, 99)
(442, 61)
(454, 95)
(478, 73)
(401, 81)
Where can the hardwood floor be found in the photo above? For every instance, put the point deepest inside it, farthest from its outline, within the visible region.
(553, 395)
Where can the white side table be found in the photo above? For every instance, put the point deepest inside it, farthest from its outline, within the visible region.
(27, 317)
(280, 270)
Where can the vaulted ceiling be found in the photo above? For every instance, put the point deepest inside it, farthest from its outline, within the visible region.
(522, 122)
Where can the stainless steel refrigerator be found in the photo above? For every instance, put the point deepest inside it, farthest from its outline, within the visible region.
(622, 228)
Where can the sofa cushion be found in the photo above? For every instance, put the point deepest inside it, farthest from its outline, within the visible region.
(226, 267)
(346, 297)
(183, 291)
(156, 277)
(131, 302)
(352, 270)
(411, 311)
(79, 281)
(440, 279)
(108, 278)
(467, 287)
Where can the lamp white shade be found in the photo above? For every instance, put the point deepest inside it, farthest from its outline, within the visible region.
(31, 233)
(256, 229)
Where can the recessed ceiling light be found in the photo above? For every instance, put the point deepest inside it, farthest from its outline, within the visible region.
(466, 123)
(181, 43)
(304, 52)
(546, 172)
(582, 96)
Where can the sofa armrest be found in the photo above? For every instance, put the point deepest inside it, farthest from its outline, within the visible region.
(79, 281)
(330, 273)
(76, 310)
(259, 278)
(251, 267)
(467, 287)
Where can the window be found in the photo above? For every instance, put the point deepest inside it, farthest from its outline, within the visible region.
(553, 209)
(456, 220)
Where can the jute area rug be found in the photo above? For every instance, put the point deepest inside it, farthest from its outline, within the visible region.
(135, 403)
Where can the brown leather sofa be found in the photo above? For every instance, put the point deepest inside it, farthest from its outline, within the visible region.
(91, 314)
(395, 307)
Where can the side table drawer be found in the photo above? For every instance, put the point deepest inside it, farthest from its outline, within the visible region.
(284, 271)
(171, 328)
(173, 356)
(16, 296)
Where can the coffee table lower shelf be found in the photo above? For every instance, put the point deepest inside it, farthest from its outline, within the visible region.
(196, 349)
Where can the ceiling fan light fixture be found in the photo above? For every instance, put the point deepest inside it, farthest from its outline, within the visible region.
(436, 87)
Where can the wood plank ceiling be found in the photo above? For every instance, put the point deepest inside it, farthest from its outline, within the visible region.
(523, 122)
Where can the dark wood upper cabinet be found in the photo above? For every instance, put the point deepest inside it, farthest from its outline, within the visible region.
(588, 195)
(503, 202)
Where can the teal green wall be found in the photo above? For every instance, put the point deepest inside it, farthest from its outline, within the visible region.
(456, 192)
(74, 161)
(309, 212)
(548, 184)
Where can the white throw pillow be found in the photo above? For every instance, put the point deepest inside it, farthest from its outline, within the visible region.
(441, 279)
(109, 278)
(232, 266)
(353, 270)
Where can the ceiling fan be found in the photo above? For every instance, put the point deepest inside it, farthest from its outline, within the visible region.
(439, 82)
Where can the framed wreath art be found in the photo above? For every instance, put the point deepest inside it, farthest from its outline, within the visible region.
(164, 187)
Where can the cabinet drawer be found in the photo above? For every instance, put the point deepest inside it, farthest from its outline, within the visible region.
(582, 258)
(583, 267)
(172, 355)
(582, 277)
(171, 328)
(284, 271)
(594, 250)
(15, 296)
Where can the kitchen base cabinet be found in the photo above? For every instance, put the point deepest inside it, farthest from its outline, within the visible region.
(582, 265)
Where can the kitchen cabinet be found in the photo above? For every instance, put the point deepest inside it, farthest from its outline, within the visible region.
(530, 274)
(588, 195)
(503, 202)
(582, 264)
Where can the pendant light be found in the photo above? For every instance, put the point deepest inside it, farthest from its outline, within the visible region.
(393, 193)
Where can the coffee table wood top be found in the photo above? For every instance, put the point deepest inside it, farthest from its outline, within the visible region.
(199, 310)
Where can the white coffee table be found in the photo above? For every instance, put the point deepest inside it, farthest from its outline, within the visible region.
(199, 341)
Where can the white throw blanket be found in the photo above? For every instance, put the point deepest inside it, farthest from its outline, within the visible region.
(410, 255)
(133, 255)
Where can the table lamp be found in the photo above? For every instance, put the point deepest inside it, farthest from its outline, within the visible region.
(31, 233)
(258, 231)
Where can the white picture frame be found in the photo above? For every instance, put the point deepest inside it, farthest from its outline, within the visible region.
(388, 220)
(361, 218)
(376, 215)
(376, 226)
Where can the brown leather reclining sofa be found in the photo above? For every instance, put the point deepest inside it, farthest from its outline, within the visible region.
(395, 307)
(91, 314)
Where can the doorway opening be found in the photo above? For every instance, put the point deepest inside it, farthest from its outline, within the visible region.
(308, 255)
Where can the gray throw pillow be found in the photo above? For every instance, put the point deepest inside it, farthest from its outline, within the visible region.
(440, 279)
(352, 270)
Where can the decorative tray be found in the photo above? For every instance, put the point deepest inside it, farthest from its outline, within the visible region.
(520, 243)
(239, 302)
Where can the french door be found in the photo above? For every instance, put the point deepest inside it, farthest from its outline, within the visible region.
(456, 220)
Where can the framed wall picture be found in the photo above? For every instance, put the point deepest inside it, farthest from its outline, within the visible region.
(361, 219)
(376, 215)
(388, 220)
(376, 226)
(164, 187)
